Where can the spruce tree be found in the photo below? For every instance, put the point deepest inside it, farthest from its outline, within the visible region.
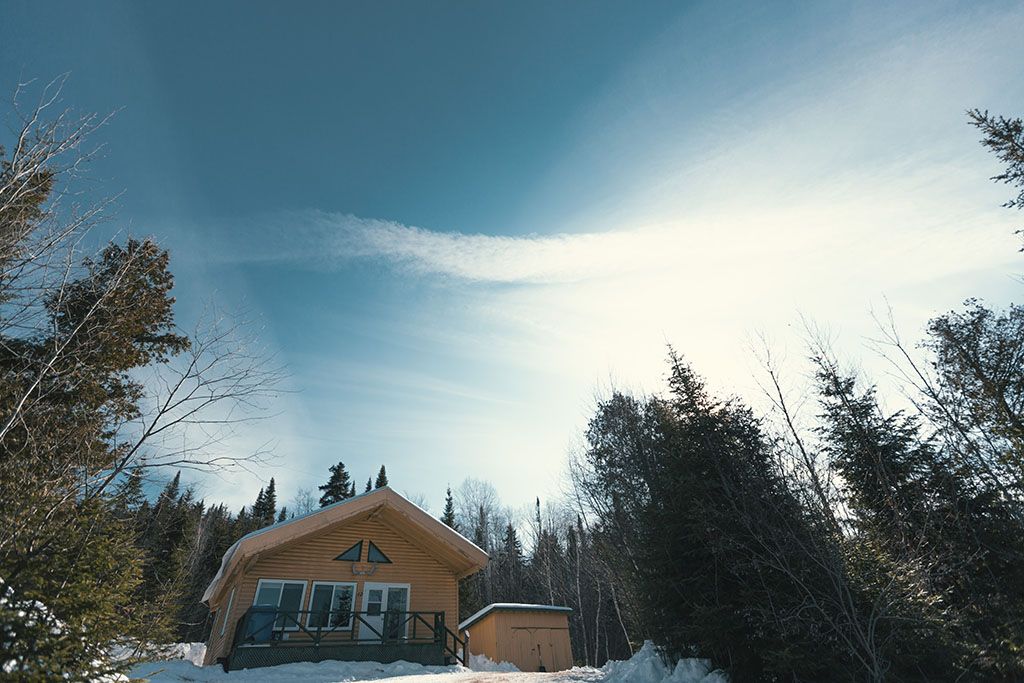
(283, 514)
(338, 487)
(382, 478)
(509, 569)
(170, 492)
(75, 345)
(269, 504)
(259, 508)
(130, 495)
(949, 546)
(448, 516)
(369, 484)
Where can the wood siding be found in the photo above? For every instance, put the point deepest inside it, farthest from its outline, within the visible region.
(433, 586)
(524, 638)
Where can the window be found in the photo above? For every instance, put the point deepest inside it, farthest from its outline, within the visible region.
(352, 554)
(376, 556)
(374, 601)
(227, 612)
(285, 596)
(331, 605)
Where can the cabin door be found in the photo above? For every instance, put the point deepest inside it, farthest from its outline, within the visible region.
(385, 607)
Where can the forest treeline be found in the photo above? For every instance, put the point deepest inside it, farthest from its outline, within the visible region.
(546, 555)
(842, 541)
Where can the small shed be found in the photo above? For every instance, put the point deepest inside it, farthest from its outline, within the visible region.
(533, 637)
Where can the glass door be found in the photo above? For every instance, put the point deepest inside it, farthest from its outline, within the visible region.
(385, 606)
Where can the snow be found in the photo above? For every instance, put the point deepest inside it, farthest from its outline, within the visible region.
(644, 667)
(510, 606)
(301, 672)
(190, 652)
(485, 663)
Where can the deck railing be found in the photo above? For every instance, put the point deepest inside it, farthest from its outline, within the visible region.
(262, 626)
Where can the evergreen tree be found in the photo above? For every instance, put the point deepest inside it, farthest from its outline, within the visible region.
(687, 488)
(475, 590)
(890, 475)
(283, 514)
(269, 504)
(934, 531)
(352, 490)
(259, 508)
(338, 487)
(382, 478)
(130, 495)
(1004, 137)
(369, 484)
(448, 516)
(509, 569)
(171, 491)
(242, 524)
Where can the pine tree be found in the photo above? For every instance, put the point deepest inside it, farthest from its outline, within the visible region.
(284, 514)
(352, 490)
(448, 517)
(382, 478)
(338, 487)
(369, 484)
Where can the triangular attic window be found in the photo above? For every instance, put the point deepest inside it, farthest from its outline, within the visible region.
(376, 556)
(352, 554)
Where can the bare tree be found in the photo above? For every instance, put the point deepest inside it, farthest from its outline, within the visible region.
(303, 502)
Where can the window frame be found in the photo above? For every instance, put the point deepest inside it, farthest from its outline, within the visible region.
(385, 608)
(373, 546)
(302, 599)
(358, 544)
(334, 585)
(227, 611)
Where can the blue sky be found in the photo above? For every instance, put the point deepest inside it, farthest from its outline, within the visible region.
(456, 223)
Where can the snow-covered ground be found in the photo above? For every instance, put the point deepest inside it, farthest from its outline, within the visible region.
(644, 667)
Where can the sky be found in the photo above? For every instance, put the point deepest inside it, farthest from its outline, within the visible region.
(457, 224)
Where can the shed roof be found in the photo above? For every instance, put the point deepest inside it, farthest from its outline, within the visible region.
(448, 546)
(511, 607)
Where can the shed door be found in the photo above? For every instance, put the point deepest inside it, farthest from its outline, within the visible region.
(540, 649)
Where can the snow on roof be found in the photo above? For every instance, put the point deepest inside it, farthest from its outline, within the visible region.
(511, 607)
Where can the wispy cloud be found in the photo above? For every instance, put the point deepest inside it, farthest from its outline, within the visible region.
(322, 239)
(844, 186)
(863, 161)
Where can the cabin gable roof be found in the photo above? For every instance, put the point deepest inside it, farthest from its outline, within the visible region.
(384, 505)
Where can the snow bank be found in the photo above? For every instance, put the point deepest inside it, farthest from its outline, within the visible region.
(646, 666)
(190, 652)
(301, 672)
(485, 663)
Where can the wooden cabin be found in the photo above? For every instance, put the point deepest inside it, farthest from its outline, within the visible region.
(371, 578)
(533, 637)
